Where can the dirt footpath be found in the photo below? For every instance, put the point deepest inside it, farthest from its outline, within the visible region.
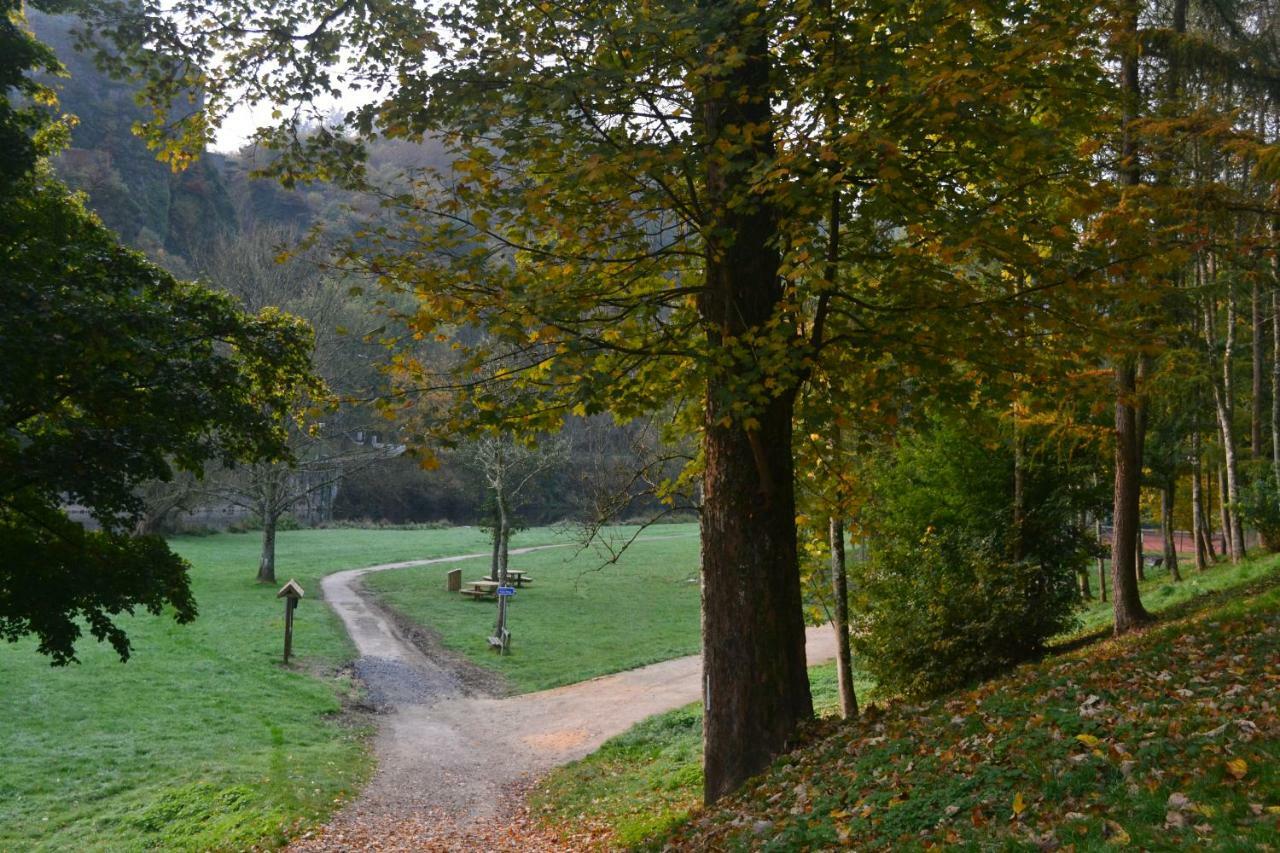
(450, 769)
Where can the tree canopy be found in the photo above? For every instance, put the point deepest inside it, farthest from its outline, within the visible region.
(639, 213)
(112, 372)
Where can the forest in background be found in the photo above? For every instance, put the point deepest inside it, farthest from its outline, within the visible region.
(215, 222)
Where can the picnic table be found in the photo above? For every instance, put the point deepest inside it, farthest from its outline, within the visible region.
(519, 577)
(480, 589)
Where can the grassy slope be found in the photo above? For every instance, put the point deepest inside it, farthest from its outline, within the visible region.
(577, 620)
(202, 739)
(647, 781)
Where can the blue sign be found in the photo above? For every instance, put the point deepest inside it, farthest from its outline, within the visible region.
(506, 590)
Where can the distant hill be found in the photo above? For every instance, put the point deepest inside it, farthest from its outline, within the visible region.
(148, 205)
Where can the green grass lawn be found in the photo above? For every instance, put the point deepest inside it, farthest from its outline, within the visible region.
(578, 619)
(645, 782)
(1160, 593)
(202, 740)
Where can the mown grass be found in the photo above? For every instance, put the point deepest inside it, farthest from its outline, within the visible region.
(578, 619)
(203, 740)
(645, 783)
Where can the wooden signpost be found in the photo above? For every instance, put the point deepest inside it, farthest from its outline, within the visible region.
(290, 592)
(501, 640)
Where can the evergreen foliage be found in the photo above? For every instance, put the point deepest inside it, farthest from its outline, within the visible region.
(954, 590)
(1260, 507)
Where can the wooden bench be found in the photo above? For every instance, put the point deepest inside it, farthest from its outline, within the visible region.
(478, 594)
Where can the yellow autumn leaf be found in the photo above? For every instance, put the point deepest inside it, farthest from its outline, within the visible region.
(1019, 805)
(1238, 767)
(1116, 834)
(1088, 740)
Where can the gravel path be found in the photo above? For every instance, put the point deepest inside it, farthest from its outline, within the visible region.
(451, 771)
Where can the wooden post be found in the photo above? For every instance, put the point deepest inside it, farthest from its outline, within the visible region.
(501, 639)
(453, 580)
(291, 593)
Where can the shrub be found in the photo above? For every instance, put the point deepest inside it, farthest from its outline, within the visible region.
(1260, 507)
(948, 594)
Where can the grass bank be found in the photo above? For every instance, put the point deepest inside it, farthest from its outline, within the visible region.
(578, 619)
(202, 740)
(948, 772)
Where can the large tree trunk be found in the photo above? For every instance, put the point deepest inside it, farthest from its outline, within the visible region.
(1125, 600)
(840, 589)
(1167, 495)
(267, 562)
(755, 682)
(756, 688)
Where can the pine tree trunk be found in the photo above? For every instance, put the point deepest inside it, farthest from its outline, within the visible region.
(755, 681)
(1167, 495)
(840, 589)
(1126, 603)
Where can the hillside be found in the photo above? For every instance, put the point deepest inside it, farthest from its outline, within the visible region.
(1169, 738)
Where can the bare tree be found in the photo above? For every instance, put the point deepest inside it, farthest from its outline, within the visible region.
(509, 466)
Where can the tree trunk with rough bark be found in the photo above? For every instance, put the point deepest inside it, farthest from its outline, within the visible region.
(1126, 603)
(755, 681)
(840, 621)
(267, 562)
